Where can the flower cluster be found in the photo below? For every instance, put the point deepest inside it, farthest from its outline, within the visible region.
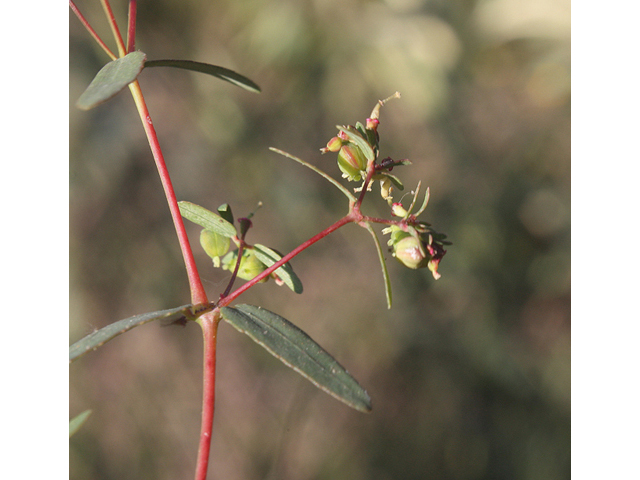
(415, 244)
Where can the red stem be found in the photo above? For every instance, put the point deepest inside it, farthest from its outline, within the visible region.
(354, 216)
(384, 221)
(234, 275)
(198, 294)
(114, 27)
(131, 30)
(208, 322)
(371, 169)
(349, 218)
(209, 325)
(90, 29)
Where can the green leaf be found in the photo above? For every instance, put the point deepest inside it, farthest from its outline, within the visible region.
(424, 203)
(102, 336)
(395, 180)
(225, 212)
(399, 163)
(354, 136)
(76, 422)
(219, 72)
(383, 266)
(415, 197)
(297, 350)
(324, 175)
(112, 78)
(361, 129)
(285, 272)
(206, 219)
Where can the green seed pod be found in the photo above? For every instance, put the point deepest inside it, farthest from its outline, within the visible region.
(410, 252)
(250, 266)
(214, 244)
(352, 162)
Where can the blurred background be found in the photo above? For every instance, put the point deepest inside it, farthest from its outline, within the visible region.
(469, 375)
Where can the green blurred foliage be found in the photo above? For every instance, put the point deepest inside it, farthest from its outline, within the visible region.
(469, 375)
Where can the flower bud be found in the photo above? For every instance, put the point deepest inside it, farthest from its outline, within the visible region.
(372, 132)
(352, 162)
(214, 244)
(372, 124)
(333, 145)
(398, 210)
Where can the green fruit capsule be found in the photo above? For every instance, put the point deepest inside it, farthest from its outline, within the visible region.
(352, 162)
(214, 244)
(410, 252)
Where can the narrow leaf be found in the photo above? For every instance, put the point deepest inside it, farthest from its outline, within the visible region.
(219, 72)
(324, 175)
(297, 350)
(424, 203)
(415, 197)
(402, 162)
(285, 272)
(76, 422)
(383, 265)
(112, 78)
(206, 219)
(100, 337)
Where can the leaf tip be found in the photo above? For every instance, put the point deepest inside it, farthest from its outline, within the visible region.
(366, 406)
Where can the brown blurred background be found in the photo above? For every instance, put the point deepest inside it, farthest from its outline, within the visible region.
(469, 375)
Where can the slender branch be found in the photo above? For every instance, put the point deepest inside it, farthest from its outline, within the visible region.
(114, 27)
(349, 218)
(365, 185)
(234, 275)
(384, 221)
(90, 29)
(198, 294)
(131, 30)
